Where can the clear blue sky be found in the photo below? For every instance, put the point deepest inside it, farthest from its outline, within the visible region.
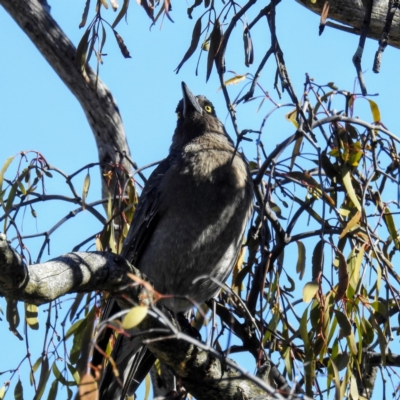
(37, 112)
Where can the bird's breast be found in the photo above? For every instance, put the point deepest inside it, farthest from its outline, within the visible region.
(207, 199)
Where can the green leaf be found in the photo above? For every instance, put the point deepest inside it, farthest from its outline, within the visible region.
(53, 391)
(352, 224)
(11, 196)
(44, 376)
(336, 380)
(343, 283)
(78, 326)
(292, 284)
(18, 391)
(85, 189)
(4, 169)
(134, 317)
(34, 369)
(343, 322)
(80, 55)
(301, 259)
(193, 44)
(318, 260)
(353, 388)
(215, 41)
(74, 373)
(304, 329)
(309, 291)
(346, 178)
(352, 343)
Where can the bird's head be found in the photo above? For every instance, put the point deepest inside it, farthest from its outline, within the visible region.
(196, 116)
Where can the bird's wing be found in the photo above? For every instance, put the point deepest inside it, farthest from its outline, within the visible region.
(134, 362)
(147, 215)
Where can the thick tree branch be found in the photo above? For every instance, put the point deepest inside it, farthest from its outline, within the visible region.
(69, 273)
(191, 361)
(351, 13)
(96, 100)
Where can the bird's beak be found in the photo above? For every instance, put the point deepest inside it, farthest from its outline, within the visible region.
(189, 101)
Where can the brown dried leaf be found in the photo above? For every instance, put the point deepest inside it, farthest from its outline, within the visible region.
(324, 16)
(167, 9)
(121, 44)
(85, 14)
(148, 8)
(104, 2)
(248, 48)
(88, 388)
(114, 4)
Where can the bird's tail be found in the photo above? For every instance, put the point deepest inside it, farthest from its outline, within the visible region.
(133, 362)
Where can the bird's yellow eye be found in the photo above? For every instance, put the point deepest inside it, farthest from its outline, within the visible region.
(208, 109)
(178, 114)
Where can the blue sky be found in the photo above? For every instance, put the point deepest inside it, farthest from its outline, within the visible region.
(37, 112)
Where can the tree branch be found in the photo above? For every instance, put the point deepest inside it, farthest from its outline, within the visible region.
(69, 273)
(191, 360)
(96, 100)
(351, 13)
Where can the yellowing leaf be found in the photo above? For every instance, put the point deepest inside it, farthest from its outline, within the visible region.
(88, 388)
(346, 177)
(235, 80)
(2, 392)
(134, 317)
(388, 217)
(351, 341)
(353, 388)
(309, 291)
(147, 382)
(291, 117)
(351, 224)
(31, 316)
(375, 111)
(85, 190)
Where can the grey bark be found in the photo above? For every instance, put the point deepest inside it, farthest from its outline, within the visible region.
(351, 15)
(203, 371)
(69, 273)
(96, 100)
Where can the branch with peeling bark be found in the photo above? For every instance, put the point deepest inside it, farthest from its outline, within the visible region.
(191, 360)
(351, 15)
(95, 98)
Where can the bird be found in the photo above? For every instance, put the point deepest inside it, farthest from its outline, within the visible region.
(188, 226)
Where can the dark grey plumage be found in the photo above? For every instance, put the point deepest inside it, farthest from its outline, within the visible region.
(192, 213)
